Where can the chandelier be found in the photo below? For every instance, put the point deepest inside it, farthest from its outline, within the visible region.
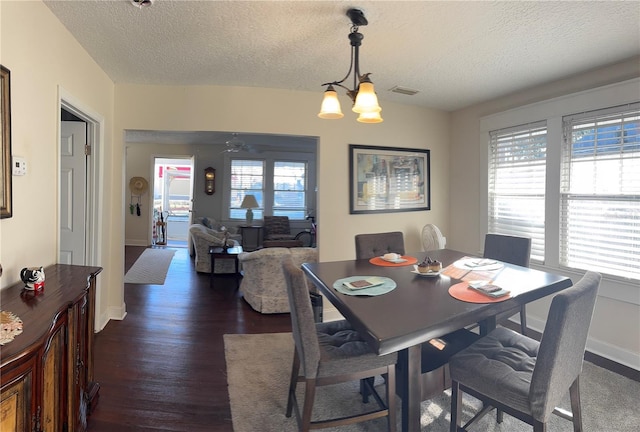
(363, 96)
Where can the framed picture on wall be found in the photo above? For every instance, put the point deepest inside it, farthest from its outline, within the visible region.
(388, 179)
(5, 155)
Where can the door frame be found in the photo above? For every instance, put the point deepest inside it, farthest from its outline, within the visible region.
(95, 138)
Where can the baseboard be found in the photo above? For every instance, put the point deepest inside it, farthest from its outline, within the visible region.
(115, 313)
(136, 242)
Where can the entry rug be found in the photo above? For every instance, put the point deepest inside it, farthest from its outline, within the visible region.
(259, 365)
(151, 267)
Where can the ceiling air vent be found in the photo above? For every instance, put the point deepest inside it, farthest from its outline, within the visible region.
(404, 90)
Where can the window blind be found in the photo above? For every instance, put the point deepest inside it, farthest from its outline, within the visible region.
(247, 178)
(600, 191)
(289, 189)
(517, 169)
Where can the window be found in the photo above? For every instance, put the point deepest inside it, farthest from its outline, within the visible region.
(517, 165)
(289, 189)
(600, 191)
(247, 178)
(281, 187)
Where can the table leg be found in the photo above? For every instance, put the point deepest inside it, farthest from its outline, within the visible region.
(213, 262)
(411, 359)
(237, 275)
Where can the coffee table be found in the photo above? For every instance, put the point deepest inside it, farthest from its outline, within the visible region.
(228, 253)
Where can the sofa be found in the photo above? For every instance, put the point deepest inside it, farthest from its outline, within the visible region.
(263, 285)
(204, 233)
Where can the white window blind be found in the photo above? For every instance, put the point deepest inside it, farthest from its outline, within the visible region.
(517, 168)
(289, 189)
(247, 178)
(600, 191)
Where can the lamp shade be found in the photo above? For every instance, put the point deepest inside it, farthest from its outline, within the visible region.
(366, 101)
(372, 117)
(249, 202)
(330, 108)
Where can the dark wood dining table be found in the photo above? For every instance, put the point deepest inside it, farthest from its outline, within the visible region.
(421, 308)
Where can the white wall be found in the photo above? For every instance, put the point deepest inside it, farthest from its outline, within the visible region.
(43, 57)
(615, 329)
(256, 110)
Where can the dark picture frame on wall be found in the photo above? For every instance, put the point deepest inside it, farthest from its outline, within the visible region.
(5, 155)
(388, 179)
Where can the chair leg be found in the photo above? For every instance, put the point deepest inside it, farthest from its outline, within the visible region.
(576, 408)
(499, 416)
(309, 397)
(391, 397)
(523, 320)
(295, 369)
(538, 426)
(456, 406)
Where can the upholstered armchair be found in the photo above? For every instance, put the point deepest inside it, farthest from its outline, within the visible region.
(201, 239)
(263, 284)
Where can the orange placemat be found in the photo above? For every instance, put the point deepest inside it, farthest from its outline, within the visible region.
(379, 261)
(462, 292)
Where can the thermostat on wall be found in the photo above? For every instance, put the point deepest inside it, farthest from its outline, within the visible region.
(19, 166)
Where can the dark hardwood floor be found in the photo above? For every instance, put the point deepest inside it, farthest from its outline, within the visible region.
(163, 366)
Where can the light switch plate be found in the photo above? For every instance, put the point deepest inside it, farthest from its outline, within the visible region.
(19, 166)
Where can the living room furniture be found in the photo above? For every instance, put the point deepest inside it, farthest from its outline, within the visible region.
(378, 244)
(514, 250)
(526, 378)
(47, 370)
(331, 353)
(226, 254)
(263, 285)
(420, 309)
(202, 238)
(251, 236)
(277, 232)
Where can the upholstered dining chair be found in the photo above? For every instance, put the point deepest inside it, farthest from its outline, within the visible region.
(377, 244)
(513, 250)
(331, 353)
(432, 238)
(522, 377)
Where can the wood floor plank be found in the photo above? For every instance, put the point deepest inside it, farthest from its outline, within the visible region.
(163, 366)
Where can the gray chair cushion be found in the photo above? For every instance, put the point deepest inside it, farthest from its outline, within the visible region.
(499, 365)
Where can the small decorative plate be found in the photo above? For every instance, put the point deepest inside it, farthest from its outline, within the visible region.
(387, 286)
(427, 274)
(10, 327)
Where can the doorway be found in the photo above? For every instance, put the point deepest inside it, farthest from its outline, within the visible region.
(172, 200)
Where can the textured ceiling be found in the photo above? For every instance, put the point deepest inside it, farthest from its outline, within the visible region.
(455, 54)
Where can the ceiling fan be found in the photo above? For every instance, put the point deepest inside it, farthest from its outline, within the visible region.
(235, 145)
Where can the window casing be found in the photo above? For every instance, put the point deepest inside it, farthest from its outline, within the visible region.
(280, 186)
(516, 187)
(600, 191)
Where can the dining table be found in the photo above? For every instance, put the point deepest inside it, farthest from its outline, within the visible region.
(412, 308)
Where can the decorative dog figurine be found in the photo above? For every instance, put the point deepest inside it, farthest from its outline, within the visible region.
(33, 278)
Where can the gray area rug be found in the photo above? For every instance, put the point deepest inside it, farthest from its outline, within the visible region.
(258, 368)
(150, 268)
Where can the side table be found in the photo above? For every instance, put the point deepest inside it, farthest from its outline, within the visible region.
(229, 253)
(251, 236)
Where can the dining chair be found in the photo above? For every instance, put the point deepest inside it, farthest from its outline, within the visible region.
(526, 378)
(513, 250)
(378, 244)
(331, 353)
(432, 238)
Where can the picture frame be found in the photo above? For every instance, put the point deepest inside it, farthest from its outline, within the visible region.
(388, 179)
(5, 155)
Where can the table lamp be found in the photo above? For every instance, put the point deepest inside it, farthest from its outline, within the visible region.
(249, 202)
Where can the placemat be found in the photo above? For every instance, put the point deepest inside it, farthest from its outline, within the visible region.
(380, 262)
(462, 292)
(388, 285)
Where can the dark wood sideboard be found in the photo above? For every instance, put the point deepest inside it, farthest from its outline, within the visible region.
(46, 373)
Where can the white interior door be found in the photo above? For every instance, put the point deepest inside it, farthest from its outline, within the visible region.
(73, 178)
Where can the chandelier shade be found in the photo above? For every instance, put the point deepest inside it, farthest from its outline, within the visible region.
(363, 95)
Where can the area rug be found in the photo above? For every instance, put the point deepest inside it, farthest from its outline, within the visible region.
(258, 368)
(150, 268)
